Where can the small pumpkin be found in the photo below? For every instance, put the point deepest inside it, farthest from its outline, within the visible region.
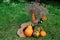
(36, 31)
(44, 18)
(43, 33)
(36, 34)
(28, 31)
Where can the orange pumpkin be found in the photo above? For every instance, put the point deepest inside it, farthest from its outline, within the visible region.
(44, 18)
(43, 33)
(28, 31)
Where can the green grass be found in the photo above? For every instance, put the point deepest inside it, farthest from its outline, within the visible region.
(11, 17)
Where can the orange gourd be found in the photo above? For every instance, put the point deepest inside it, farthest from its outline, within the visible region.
(43, 33)
(33, 17)
(28, 31)
(44, 18)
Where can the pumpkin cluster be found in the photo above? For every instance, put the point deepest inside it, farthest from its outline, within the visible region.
(36, 31)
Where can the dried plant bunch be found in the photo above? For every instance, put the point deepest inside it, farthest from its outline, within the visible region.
(37, 9)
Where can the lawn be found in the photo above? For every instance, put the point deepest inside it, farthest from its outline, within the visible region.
(13, 15)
